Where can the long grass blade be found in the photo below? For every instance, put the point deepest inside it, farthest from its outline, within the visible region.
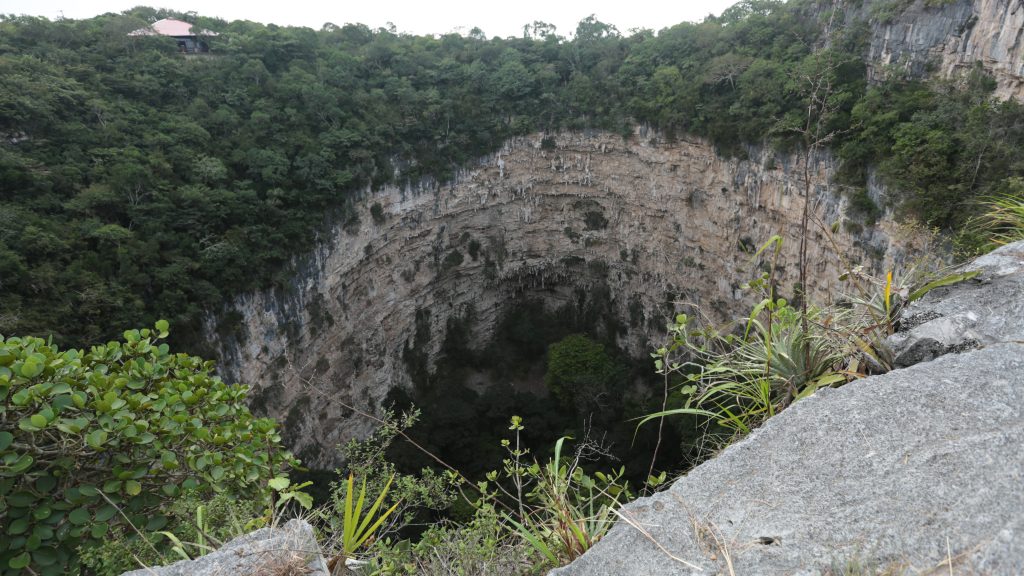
(348, 523)
(533, 539)
(376, 505)
(580, 536)
(674, 412)
(357, 513)
(364, 536)
(177, 547)
(944, 281)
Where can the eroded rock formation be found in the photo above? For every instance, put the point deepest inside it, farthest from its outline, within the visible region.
(947, 38)
(986, 310)
(657, 223)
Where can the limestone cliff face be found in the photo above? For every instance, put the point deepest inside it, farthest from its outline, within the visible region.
(655, 222)
(951, 38)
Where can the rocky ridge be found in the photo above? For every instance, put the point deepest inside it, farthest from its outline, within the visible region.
(986, 310)
(655, 222)
(907, 472)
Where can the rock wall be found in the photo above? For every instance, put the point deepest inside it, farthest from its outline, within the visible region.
(661, 224)
(914, 471)
(949, 38)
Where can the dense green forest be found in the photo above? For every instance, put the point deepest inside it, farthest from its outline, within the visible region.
(137, 183)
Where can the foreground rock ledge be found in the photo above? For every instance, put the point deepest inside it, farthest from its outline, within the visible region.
(289, 549)
(899, 471)
(985, 310)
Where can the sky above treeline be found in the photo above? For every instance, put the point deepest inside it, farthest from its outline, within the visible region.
(416, 17)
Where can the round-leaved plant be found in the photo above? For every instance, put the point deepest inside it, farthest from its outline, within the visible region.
(90, 440)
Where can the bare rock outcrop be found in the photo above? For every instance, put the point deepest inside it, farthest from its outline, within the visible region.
(947, 38)
(289, 549)
(905, 472)
(985, 310)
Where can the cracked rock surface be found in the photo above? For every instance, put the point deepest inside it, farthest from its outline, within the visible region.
(884, 471)
(984, 310)
(948, 38)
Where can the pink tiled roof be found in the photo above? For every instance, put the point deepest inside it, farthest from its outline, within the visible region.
(170, 27)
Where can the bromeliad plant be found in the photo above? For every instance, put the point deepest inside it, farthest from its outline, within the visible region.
(357, 526)
(873, 311)
(93, 440)
(739, 382)
(354, 526)
(737, 377)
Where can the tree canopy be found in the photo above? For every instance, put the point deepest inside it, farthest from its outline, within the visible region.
(139, 183)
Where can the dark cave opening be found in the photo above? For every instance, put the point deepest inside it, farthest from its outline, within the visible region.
(467, 399)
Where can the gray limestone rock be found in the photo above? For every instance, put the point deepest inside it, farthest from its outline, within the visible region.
(971, 314)
(899, 471)
(945, 39)
(912, 38)
(290, 550)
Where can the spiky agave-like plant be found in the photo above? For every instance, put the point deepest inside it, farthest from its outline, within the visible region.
(1001, 222)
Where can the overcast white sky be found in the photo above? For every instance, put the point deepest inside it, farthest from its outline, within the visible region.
(505, 18)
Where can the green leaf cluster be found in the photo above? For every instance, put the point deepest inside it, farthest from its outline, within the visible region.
(92, 440)
(483, 545)
(580, 371)
(558, 508)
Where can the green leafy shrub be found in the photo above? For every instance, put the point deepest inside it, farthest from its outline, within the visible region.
(377, 213)
(480, 547)
(90, 441)
(559, 509)
(595, 220)
(580, 372)
(474, 249)
(453, 259)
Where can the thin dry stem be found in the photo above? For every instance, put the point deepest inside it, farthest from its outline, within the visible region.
(643, 531)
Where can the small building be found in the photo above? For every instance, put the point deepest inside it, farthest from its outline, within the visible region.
(189, 39)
